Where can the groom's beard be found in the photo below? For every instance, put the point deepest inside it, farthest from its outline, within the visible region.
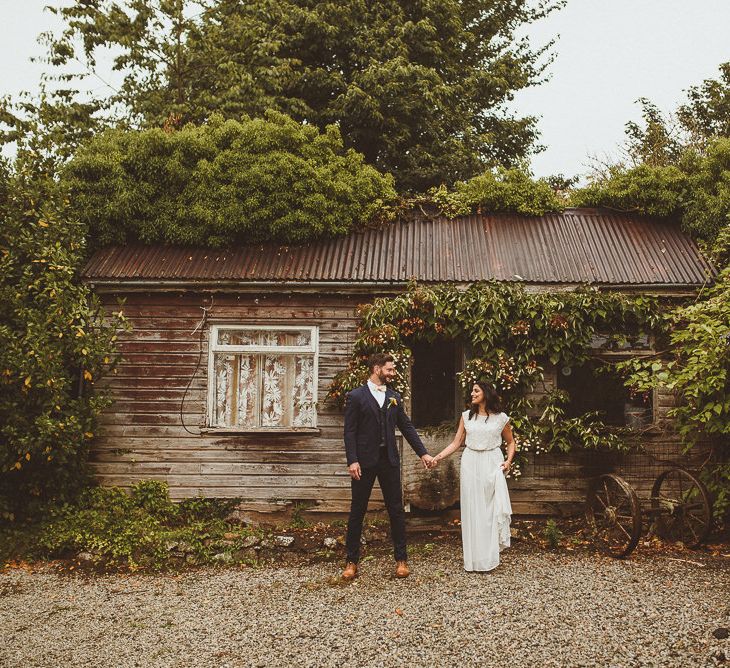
(383, 379)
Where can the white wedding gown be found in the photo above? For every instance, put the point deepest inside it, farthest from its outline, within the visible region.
(485, 507)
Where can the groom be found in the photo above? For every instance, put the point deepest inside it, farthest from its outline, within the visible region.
(372, 412)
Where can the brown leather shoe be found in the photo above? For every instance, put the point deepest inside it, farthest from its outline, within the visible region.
(401, 569)
(350, 571)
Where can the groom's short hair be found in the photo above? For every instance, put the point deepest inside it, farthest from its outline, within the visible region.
(379, 359)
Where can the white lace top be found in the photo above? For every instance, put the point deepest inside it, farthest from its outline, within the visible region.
(484, 432)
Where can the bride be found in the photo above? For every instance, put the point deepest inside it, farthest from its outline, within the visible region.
(485, 504)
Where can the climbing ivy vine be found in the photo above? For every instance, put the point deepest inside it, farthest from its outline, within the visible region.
(509, 334)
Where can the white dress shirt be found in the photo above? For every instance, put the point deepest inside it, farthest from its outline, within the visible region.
(378, 394)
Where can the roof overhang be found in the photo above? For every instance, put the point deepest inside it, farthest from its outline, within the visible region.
(359, 288)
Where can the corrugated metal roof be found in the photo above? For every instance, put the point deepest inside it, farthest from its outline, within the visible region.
(575, 246)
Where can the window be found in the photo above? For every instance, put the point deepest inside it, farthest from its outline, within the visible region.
(591, 391)
(262, 377)
(435, 397)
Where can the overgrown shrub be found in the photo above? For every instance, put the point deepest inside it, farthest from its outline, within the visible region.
(144, 529)
(498, 191)
(695, 191)
(653, 191)
(54, 346)
(223, 183)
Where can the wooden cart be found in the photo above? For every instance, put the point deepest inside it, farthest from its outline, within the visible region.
(679, 509)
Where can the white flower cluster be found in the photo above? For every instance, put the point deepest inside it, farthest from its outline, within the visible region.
(527, 445)
(505, 375)
(515, 470)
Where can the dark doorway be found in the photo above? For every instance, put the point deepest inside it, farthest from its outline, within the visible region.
(433, 383)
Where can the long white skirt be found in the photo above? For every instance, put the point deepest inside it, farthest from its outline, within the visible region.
(485, 509)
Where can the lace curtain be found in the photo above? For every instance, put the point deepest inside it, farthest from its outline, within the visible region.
(264, 389)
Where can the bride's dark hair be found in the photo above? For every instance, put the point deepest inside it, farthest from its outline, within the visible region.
(494, 405)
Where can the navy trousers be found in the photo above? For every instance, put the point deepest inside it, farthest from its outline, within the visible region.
(389, 478)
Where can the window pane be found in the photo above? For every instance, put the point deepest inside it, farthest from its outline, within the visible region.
(224, 389)
(238, 337)
(264, 337)
(248, 385)
(236, 391)
(301, 338)
(612, 343)
(433, 383)
(303, 392)
(277, 381)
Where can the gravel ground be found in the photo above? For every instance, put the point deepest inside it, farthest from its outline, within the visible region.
(538, 608)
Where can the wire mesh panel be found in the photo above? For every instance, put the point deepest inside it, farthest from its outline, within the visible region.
(578, 463)
(639, 467)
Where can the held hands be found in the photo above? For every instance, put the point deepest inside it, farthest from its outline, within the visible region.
(506, 466)
(432, 462)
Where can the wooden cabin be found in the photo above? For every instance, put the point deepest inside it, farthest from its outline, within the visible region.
(220, 390)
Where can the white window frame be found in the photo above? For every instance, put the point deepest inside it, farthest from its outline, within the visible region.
(214, 347)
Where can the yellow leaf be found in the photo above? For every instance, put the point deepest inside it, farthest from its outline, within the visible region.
(27, 456)
(27, 381)
(84, 351)
(89, 434)
(42, 223)
(87, 374)
(18, 465)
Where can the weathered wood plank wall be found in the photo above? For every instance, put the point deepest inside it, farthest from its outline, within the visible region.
(161, 385)
(143, 435)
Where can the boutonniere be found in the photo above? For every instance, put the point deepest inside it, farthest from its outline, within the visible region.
(393, 402)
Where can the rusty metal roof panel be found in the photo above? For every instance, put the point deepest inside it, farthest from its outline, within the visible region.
(575, 246)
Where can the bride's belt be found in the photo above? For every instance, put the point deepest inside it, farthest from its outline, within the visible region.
(496, 447)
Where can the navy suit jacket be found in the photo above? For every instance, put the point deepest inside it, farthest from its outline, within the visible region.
(362, 427)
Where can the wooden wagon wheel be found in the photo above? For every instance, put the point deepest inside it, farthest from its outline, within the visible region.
(614, 514)
(682, 508)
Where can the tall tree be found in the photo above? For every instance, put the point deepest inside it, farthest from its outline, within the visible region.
(706, 114)
(421, 88)
(658, 141)
(662, 139)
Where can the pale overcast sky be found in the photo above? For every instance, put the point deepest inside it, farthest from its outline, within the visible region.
(610, 53)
